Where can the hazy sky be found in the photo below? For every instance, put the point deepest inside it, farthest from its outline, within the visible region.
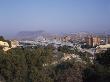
(54, 15)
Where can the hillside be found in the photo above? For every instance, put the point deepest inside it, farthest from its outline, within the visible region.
(31, 35)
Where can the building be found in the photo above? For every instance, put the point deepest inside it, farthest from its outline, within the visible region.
(108, 40)
(89, 40)
(66, 38)
(96, 41)
(103, 39)
(92, 40)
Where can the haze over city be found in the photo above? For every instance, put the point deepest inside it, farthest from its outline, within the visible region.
(54, 16)
(54, 40)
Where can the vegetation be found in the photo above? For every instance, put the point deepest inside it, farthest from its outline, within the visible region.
(24, 65)
(27, 65)
(100, 70)
(68, 49)
(68, 71)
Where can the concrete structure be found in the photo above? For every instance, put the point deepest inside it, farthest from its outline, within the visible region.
(96, 40)
(108, 40)
(66, 38)
(89, 40)
(92, 40)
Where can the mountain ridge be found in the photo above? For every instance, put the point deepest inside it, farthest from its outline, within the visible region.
(31, 35)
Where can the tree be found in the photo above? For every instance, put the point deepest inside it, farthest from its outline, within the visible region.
(100, 70)
(68, 71)
(65, 49)
(104, 58)
(2, 38)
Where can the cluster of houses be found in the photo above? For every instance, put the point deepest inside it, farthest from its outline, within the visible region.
(54, 42)
(44, 42)
(28, 43)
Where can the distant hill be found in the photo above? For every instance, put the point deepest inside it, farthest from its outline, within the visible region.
(31, 35)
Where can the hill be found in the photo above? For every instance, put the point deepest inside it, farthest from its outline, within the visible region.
(31, 35)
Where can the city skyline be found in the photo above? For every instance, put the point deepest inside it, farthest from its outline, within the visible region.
(54, 16)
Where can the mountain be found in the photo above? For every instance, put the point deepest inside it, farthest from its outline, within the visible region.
(31, 35)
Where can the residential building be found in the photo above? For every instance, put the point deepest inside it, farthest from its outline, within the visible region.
(89, 40)
(96, 41)
(66, 38)
(108, 40)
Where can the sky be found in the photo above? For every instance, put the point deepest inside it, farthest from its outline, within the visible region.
(54, 16)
